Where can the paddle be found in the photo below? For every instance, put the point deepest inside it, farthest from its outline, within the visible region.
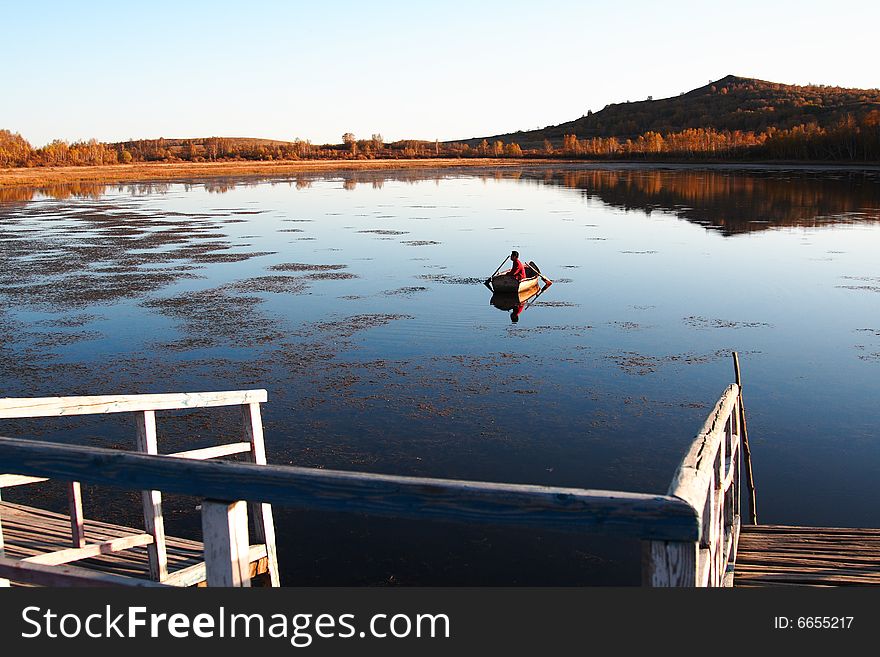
(534, 298)
(489, 280)
(546, 280)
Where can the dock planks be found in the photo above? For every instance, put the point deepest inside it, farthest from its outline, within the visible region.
(779, 555)
(29, 531)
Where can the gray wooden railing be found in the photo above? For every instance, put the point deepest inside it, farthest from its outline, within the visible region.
(146, 441)
(689, 534)
(708, 480)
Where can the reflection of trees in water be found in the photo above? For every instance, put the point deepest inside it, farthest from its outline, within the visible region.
(88, 190)
(734, 201)
(731, 201)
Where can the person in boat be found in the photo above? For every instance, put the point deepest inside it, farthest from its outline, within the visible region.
(518, 269)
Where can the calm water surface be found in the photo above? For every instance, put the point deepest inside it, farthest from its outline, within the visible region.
(355, 299)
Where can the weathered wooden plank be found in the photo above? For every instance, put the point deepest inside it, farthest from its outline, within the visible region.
(804, 529)
(817, 541)
(62, 575)
(225, 532)
(14, 407)
(704, 567)
(670, 564)
(827, 573)
(154, 523)
(808, 556)
(75, 507)
(32, 532)
(691, 480)
(213, 452)
(105, 547)
(814, 545)
(747, 452)
(9, 480)
(837, 578)
(195, 574)
(869, 562)
(610, 512)
(4, 582)
(754, 584)
(735, 529)
(818, 535)
(264, 522)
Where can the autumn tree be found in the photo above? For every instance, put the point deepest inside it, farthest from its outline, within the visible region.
(14, 149)
(513, 150)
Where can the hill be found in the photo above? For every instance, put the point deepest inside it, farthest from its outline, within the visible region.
(731, 103)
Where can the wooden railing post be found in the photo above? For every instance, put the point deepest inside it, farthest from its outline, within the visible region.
(264, 523)
(669, 563)
(744, 440)
(154, 524)
(3, 582)
(225, 535)
(77, 522)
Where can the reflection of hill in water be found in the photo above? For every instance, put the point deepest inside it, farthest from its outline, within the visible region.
(732, 201)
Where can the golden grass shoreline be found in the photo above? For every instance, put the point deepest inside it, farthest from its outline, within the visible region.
(142, 171)
(36, 177)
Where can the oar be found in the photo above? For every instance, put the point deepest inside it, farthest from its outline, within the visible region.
(489, 280)
(534, 298)
(546, 280)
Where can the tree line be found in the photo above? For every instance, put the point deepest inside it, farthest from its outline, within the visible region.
(850, 139)
(15, 151)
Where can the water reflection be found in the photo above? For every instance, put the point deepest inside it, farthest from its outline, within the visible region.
(731, 201)
(380, 353)
(516, 303)
(734, 202)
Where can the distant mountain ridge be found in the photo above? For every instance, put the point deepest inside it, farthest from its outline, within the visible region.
(731, 103)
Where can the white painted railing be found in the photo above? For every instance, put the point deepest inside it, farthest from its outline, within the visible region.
(689, 535)
(708, 479)
(146, 440)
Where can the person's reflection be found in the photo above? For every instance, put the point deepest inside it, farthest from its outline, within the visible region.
(514, 314)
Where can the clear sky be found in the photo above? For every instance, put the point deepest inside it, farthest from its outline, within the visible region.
(427, 70)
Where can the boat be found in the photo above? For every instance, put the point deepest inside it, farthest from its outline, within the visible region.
(504, 283)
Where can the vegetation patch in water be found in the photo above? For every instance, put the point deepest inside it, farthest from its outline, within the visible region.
(447, 279)
(274, 284)
(300, 266)
(714, 323)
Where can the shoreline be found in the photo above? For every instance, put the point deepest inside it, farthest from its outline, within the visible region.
(118, 173)
(143, 171)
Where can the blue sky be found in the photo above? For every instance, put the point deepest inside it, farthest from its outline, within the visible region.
(428, 70)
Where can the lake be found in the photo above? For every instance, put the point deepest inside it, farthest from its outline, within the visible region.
(356, 300)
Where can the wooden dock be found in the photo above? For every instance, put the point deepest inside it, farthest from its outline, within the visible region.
(778, 555)
(37, 536)
(693, 536)
(35, 541)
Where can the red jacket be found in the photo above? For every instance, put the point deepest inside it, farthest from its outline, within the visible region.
(518, 271)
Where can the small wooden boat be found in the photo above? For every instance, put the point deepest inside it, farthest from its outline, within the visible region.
(504, 283)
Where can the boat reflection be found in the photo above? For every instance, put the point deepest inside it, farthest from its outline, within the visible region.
(516, 303)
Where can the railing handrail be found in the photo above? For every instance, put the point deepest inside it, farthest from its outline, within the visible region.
(708, 481)
(144, 407)
(691, 479)
(25, 407)
(646, 516)
(689, 534)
